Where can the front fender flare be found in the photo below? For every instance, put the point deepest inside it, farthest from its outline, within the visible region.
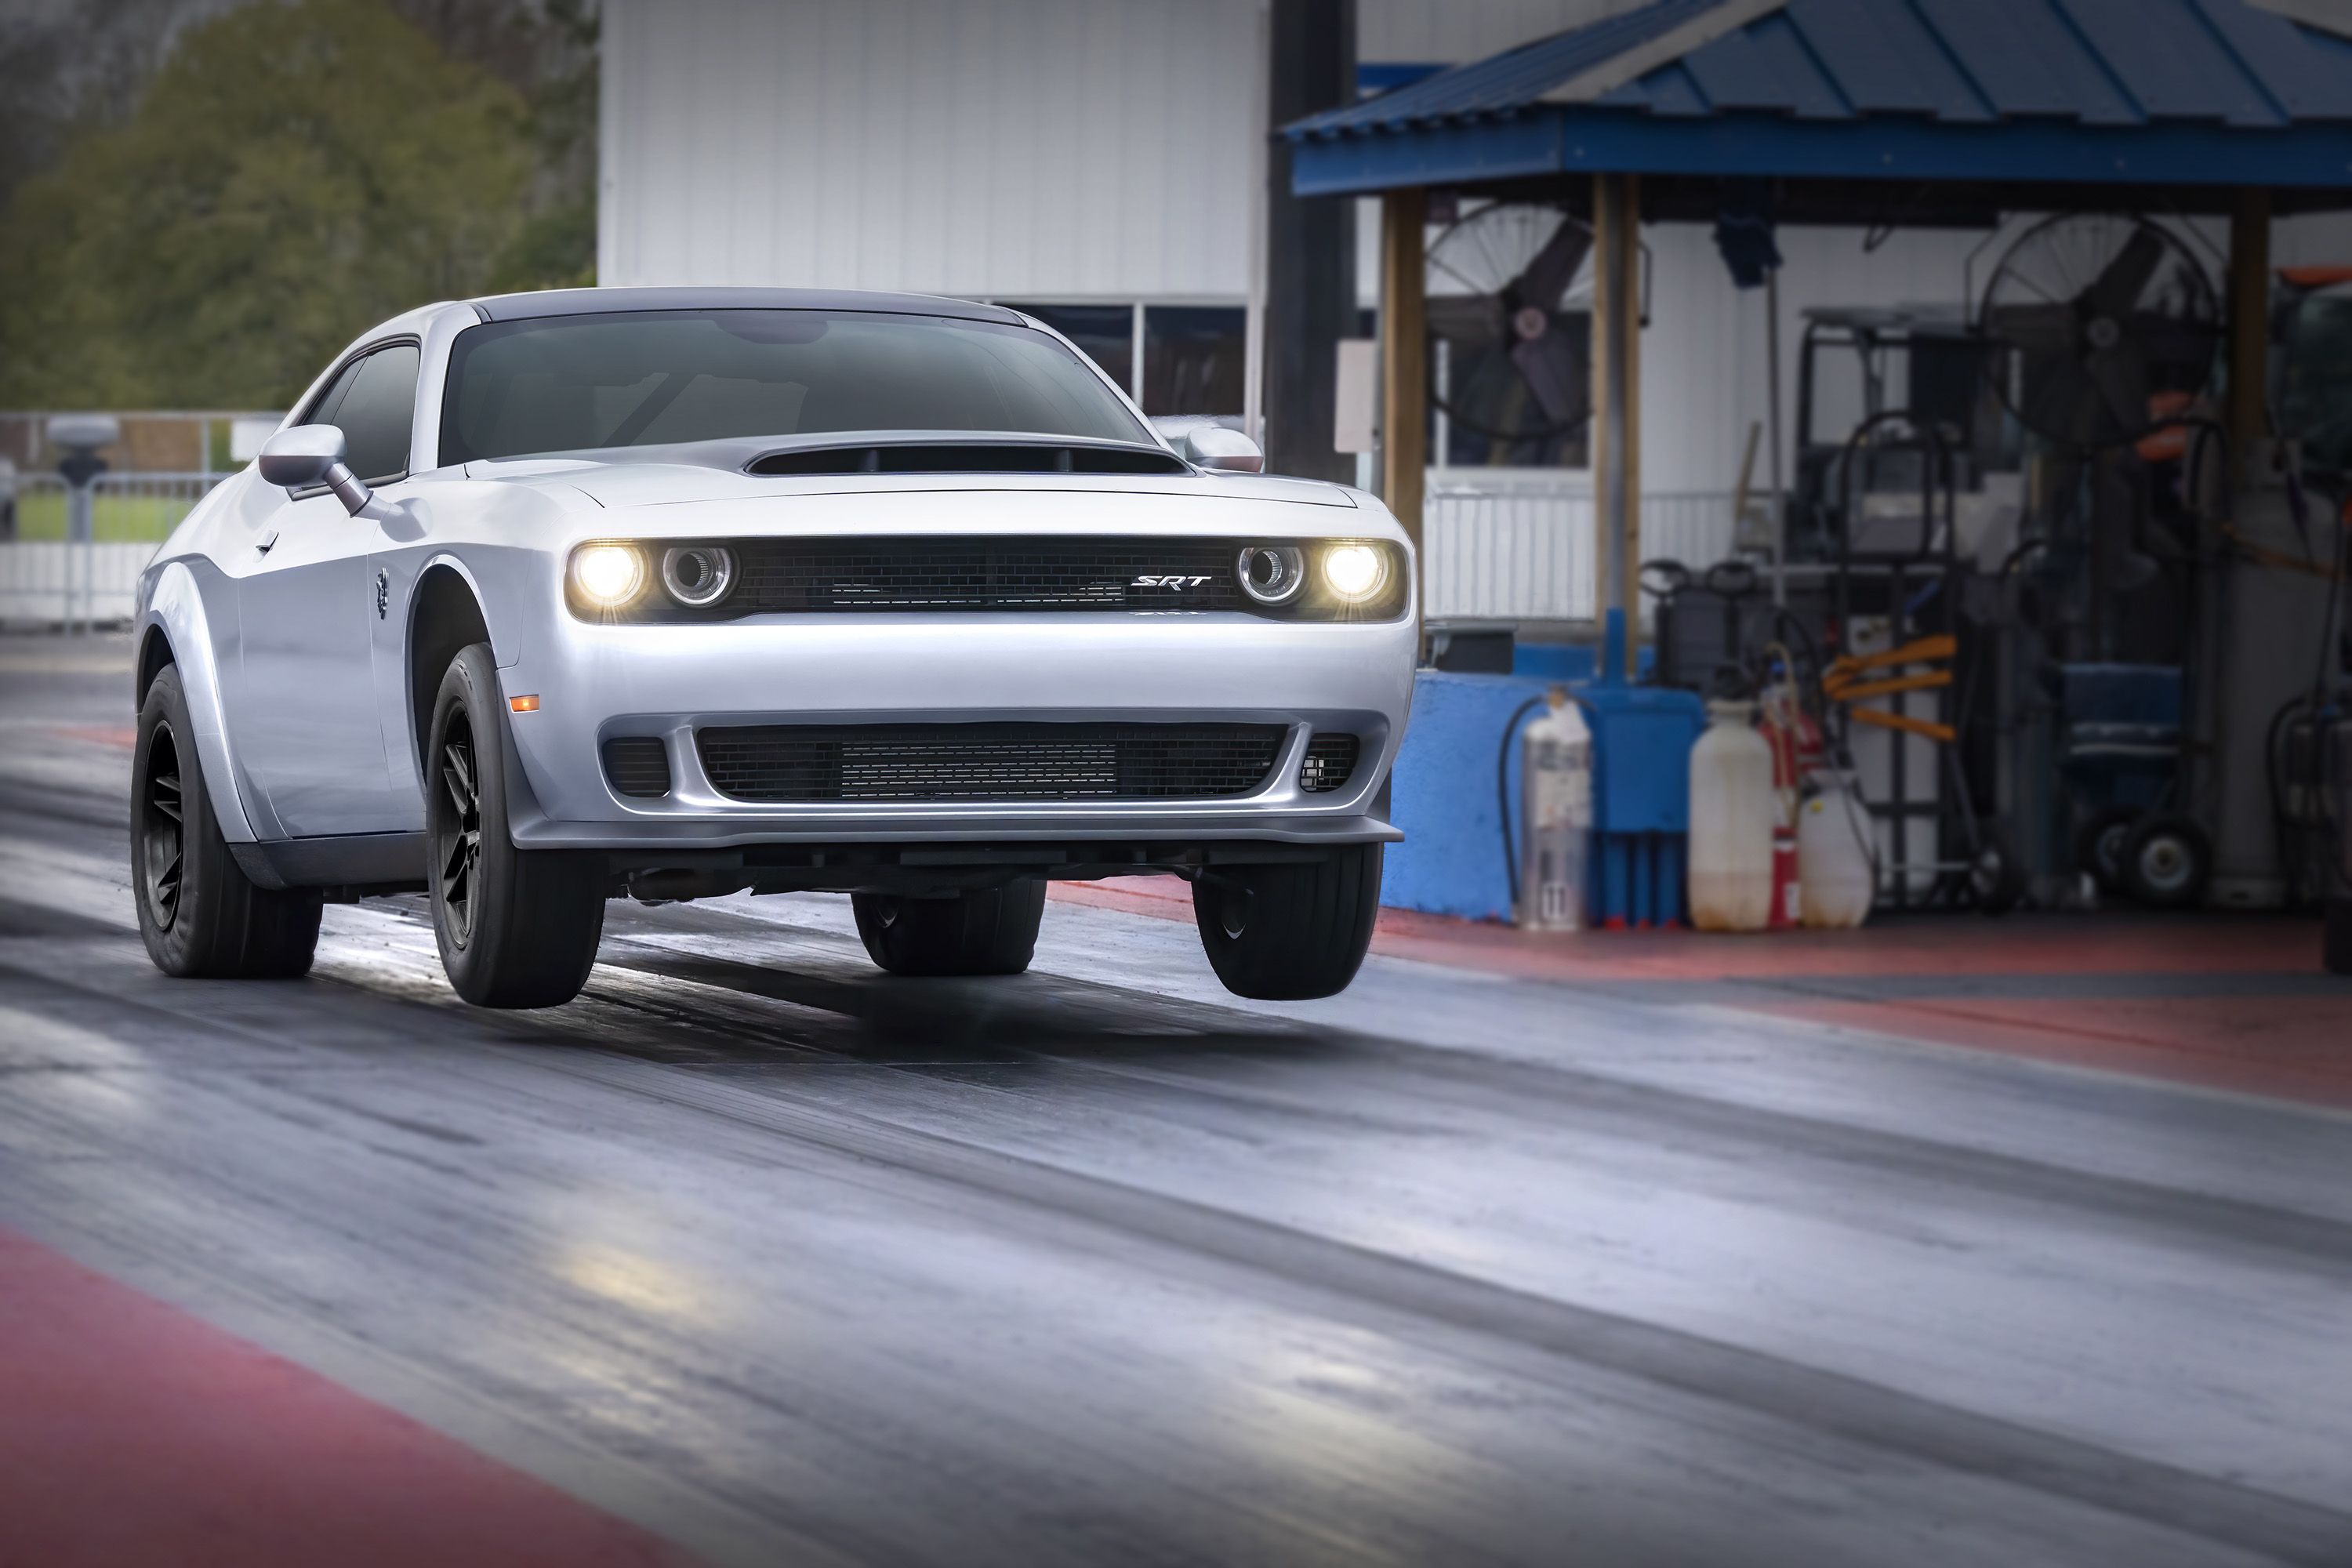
(172, 600)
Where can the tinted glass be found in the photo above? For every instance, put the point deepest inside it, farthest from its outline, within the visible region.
(374, 404)
(1192, 358)
(574, 384)
(1104, 333)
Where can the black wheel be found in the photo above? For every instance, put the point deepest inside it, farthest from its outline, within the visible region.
(2099, 847)
(516, 928)
(2166, 861)
(1291, 932)
(200, 915)
(2336, 946)
(1996, 879)
(992, 930)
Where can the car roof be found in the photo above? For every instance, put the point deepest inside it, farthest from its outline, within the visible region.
(587, 301)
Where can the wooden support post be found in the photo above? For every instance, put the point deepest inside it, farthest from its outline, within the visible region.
(1616, 429)
(2250, 307)
(1405, 355)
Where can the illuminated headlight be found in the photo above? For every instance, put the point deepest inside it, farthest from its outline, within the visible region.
(1272, 573)
(699, 575)
(1353, 572)
(607, 575)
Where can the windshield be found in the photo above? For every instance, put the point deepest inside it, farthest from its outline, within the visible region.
(570, 383)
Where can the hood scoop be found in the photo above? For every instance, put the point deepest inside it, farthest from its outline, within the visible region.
(964, 457)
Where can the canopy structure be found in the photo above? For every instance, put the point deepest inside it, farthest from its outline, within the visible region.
(1851, 111)
(2203, 94)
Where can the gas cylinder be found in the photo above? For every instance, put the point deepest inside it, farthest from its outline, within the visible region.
(1833, 852)
(1796, 742)
(1556, 809)
(1731, 822)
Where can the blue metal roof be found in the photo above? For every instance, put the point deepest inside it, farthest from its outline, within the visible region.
(2177, 91)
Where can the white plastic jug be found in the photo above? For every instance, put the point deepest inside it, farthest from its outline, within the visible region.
(1731, 816)
(1834, 867)
(1556, 817)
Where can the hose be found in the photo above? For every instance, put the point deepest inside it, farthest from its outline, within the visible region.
(1503, 796)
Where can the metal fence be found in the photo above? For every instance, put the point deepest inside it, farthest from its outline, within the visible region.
(1517, 548)
(47, 580)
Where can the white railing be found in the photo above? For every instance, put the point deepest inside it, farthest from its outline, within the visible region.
(1518, 547)
(45, 581)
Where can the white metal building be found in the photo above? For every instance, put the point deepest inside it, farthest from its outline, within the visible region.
(1098, 162)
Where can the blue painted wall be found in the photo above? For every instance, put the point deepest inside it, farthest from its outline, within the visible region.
(1443, 795)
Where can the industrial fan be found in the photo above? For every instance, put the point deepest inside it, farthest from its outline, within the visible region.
(1509, 301)
(2105, 325)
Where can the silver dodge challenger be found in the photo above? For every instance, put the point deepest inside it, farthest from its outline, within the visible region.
(547, 599)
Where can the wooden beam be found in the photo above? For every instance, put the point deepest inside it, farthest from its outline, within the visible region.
(2249, 307)
(1616, 428)
(1404, 358)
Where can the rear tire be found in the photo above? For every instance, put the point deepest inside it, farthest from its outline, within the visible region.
(1290, 931)
(516, 928)
(990, 930)
(200, 915)
(2336, 942)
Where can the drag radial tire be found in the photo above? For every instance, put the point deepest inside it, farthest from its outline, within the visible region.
(517, 928)
(992, 930)
(1290, 931)
(201, 917)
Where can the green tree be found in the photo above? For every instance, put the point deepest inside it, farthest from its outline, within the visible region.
(295, 174)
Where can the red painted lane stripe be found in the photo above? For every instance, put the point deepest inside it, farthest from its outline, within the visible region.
(2054, 944)
(133, 1432)
(2295, 1047)
(2283, 1048)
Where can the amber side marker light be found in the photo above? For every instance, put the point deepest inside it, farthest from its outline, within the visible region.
(523, 704)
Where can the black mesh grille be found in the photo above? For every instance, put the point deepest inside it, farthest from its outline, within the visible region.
(989, 762)
(638, 766)
(785, 575)
(1329, 759)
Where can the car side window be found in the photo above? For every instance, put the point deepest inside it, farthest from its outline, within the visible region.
(377, 413)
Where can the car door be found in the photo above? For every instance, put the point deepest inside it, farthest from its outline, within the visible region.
(309, 606)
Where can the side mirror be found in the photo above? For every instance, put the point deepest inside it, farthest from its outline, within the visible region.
(311, 455)
(1214, 447)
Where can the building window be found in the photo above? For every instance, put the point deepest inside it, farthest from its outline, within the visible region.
(1104, 333)
(1192, 358)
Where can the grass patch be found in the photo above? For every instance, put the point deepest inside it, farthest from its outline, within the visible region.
(114, 520)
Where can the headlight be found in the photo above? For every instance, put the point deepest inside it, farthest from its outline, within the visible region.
(699, 575)
(1354, 571)
(607, 575)
(1270, 573)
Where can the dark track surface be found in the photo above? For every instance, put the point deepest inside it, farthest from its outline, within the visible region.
(787, 1261)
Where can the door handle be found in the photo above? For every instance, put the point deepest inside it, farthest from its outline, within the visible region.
(267, 541)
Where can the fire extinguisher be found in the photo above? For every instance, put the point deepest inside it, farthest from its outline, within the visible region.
(1556, 807)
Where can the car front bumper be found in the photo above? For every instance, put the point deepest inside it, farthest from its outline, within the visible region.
(595, 682)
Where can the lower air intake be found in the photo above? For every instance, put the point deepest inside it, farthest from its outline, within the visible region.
(989, 762)
(1330, 762)
(638, 766)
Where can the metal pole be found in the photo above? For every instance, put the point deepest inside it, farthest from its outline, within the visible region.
(1772, 405)
(79, 530)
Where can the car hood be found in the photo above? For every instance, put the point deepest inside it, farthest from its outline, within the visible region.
(616, 484)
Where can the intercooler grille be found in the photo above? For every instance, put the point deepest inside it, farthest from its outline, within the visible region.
(989, 762)
(1022, 574)
(638, 766)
